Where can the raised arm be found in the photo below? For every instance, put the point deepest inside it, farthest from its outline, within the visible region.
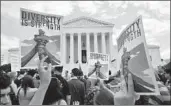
(45, 78)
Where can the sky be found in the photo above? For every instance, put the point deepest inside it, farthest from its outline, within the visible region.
(155, 14)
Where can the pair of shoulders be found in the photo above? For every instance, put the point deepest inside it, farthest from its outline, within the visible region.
(30, 92)
(76, 82)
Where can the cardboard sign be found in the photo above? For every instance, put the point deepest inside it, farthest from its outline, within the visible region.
(133, 53)
(103, 59)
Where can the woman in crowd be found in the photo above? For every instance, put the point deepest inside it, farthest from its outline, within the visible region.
(53, 94)
(26, 91)
(13, 76)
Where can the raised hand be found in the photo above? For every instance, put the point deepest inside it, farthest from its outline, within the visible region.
(129, 97)
(45, 74)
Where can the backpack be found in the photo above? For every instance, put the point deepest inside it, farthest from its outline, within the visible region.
(13, 97)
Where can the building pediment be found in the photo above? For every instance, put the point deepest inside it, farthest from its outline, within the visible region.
(86, 22)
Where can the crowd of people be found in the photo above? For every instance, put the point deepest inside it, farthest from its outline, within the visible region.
(47, 86)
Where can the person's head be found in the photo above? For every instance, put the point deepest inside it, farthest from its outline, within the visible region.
(75, 72)
(5, 89)
(167, 73)
(13, 75)
(53, 93)
(31, 72)
(38, 77)
(22, 72)
(58, 70)
(80, 74)
(85, 77)
(27, 82)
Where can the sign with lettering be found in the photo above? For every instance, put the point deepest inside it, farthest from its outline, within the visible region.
(39, 20)
(103, 62)
(41, 35)
(134, 58)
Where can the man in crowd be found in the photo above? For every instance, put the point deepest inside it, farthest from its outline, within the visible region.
(5, 89)
(65, 87)
(77, 87)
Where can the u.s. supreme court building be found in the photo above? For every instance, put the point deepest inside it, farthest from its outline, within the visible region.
(81, 36)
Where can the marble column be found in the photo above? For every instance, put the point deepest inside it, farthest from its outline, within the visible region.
(64, 48)
(88, 44)
(71, 48)
(79, 48)
(95, 43)
(103, 43)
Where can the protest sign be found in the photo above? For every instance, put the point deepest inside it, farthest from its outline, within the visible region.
(103, 59)
(43, 36)
(38, 19)
(134, 58)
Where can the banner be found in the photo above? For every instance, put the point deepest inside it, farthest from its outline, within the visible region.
(35, 40)
(133, 55)
(37, 19)
(103, 59)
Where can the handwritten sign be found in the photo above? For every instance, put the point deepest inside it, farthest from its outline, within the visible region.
(134, 56)
(38, 20)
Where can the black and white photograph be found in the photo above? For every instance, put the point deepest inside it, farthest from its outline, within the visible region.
(85, 53)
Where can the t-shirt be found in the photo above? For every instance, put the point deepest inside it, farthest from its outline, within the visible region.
(77, 91)
(65, 90)
(104, 97)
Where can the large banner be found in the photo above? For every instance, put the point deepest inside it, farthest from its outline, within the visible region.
(31, 21)
(103, 60)
(133, 55)
(38, 20)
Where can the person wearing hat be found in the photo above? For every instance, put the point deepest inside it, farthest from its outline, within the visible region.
(65, 87)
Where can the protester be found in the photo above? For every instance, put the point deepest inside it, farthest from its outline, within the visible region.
(5, 89)
(65, 87)
(19, 78)
(53, 94)
(13, 76)
(26, 91)
(66, 75)
(81, 78)
(77, 88)
(33, 74)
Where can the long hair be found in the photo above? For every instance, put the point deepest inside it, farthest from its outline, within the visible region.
(53, 93)
(27, 81)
